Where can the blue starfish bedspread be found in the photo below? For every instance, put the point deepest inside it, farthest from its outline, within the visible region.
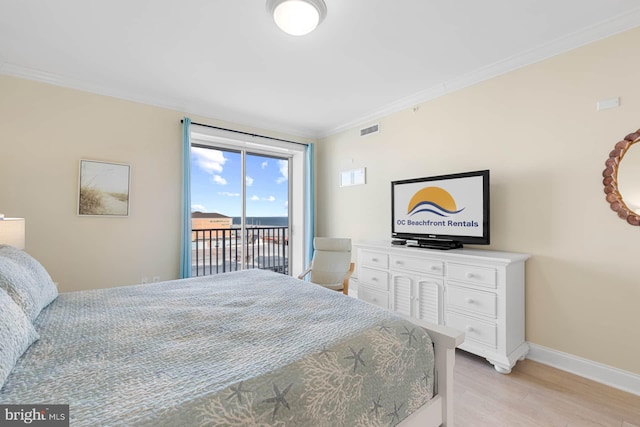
(251, 348)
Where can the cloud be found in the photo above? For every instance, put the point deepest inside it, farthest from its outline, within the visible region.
(226, 193)
(264, 199)
(265, 164)
(284, 171)
(198, 208)
(208, 159)
(249, 181)
(219, 180)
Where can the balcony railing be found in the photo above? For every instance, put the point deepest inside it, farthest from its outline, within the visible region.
(219, 250)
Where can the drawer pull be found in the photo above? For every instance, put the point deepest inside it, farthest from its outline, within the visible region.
(470, 275)
(374, 259)
(469, 328)
(434, 268)
(399, 262)
(470, 301)
(374, 279)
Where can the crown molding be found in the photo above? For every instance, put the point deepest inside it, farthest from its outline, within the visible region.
(608, 28)
(585, 36)
(27, 73)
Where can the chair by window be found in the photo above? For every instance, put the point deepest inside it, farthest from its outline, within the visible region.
(331, 265)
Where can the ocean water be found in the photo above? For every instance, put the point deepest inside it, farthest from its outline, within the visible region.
(273, 221)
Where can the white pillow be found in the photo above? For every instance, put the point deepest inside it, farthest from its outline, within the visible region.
(26, 281)
(16, 334)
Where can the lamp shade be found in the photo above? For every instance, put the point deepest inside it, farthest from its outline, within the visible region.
(297, 17)
(12, 232)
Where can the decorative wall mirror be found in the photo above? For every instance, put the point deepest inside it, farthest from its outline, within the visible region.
(622, 179)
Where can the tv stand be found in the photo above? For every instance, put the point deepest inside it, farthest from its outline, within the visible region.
(443, 245)
(480, 292)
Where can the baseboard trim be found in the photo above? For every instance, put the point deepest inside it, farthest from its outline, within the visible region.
(613, 377)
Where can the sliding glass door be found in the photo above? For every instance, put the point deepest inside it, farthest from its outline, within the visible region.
(240, 209)
(267, 212)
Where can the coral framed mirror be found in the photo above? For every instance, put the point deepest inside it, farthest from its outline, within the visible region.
(622, 179)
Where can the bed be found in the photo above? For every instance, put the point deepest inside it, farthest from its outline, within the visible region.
(244, 348)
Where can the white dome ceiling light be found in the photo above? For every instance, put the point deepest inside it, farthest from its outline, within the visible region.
(297, 17)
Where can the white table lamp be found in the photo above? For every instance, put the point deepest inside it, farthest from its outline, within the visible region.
(12, 232)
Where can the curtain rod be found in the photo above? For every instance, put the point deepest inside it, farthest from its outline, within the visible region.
(246, 133)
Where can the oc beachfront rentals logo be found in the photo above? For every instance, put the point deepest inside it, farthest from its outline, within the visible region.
(434, 200)
(438, 212)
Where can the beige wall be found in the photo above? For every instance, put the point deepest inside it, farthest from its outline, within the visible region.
(538, 131)
(44, 131)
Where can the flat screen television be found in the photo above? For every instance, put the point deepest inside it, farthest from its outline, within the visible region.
(441, 212)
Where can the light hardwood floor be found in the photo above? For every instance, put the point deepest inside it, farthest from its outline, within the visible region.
(536, 395)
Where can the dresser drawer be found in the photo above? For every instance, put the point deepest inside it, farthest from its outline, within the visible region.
(381, 299)
(483, 276)
(419, 265)
(374, 259)
(375, 278)
(471, 300)
(474, 329)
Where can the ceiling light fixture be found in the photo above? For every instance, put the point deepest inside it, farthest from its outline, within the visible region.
(297, 17)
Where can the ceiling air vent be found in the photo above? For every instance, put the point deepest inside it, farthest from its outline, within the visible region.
(371, 129)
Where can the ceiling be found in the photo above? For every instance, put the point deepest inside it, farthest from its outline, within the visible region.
(227, 60)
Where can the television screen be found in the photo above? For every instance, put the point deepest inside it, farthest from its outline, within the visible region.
(449, 208)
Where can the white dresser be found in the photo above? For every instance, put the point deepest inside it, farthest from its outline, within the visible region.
(479, 292)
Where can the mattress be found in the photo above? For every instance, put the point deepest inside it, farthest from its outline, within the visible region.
(242, 348)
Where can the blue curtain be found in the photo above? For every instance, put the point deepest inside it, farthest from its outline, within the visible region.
(185, 246)
(309, 207)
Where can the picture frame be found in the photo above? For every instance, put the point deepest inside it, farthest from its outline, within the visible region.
(104, 188)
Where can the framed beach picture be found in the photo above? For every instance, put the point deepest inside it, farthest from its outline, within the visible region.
(103, 188)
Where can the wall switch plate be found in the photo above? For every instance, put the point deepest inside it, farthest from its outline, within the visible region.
(353, 177)
(606, 104)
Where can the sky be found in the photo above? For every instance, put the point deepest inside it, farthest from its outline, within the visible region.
(108, 177)
(216, 183)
